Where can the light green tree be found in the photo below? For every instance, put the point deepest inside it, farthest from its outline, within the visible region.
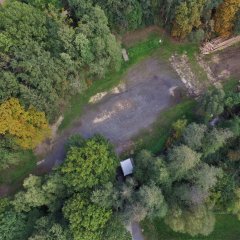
(92, 164)
(47, 229)
(181, 160)
(86, 220)
(195, 221)
(193, 135)
(40, 193)
(152, 199)
(216, 139)
(187, 16)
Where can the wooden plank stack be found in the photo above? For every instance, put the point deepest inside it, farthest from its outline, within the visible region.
(218, 44)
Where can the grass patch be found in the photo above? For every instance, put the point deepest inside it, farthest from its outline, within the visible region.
(230, 85)
(227, 228)
(154, 139)
(15, 174)
(169, 47)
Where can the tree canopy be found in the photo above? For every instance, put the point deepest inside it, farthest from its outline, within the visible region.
(92, 164)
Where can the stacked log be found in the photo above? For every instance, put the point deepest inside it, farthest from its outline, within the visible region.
(218, 44)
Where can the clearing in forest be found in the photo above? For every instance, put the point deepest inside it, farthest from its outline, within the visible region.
(146, 90)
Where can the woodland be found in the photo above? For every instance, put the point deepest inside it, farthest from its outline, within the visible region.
(51, 50)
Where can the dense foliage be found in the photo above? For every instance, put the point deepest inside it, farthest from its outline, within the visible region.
(51, 50)
(49, 207)
(196, 176)
(45, 59)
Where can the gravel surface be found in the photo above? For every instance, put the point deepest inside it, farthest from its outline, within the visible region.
(121, 116)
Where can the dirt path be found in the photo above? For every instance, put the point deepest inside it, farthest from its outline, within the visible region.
(136, 231)
(120, 116)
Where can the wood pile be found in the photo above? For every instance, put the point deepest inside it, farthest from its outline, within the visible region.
(218, 44)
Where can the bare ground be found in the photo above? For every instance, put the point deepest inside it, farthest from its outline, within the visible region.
(122, 115)
(226, 63)
(132, 37)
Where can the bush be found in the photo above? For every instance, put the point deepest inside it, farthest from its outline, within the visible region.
(197, 36)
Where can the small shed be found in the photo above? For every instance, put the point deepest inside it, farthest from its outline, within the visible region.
(127, 166)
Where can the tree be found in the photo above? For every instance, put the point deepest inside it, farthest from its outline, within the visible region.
(237, 24)
(144, 167)
(12, 225)
(232, 99)
(47, 229)
(179, 127)
(8, 158)
(43, 3)
(195, 221)
(193, 135)
(187, 17)
(235, 206)
(212, 103)
(86, 220)
(207, 176)
(107, 196)
(74, 141)
(181, 159)
(94, 47)
(149, 168)
(27, 128)
(153, 201)
(124, 15)
(4, 204)
(214, 140)
(189, 195)
(225, 17)
(115, 230)
(92, 164)
(198, 186)
(33, 68)
(197, 36)
(40, 193)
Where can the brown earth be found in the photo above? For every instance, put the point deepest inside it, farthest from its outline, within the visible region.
(131, 38)
(226, 63)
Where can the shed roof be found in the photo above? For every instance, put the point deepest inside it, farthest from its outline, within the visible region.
(127, 166)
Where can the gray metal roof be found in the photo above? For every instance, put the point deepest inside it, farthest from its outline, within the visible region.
(127, 166)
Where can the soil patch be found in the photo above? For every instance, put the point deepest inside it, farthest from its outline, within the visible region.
(226, 63)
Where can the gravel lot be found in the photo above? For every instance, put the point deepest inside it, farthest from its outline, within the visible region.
(120, 116)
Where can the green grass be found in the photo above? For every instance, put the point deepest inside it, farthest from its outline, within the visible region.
(230, 85)
(227, 228)
(154, 139)
(169, 47)
(15, 174)
(136, 53)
